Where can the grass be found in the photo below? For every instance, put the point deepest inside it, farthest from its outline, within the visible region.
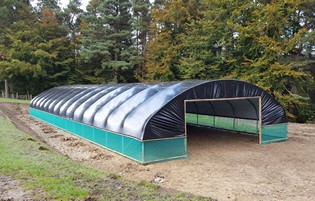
(59, 178)
(11, 100)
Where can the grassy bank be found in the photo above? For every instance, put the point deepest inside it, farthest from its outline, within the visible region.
(60, 178)
(11, 100)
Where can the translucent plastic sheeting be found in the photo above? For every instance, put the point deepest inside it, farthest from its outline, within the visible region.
(233, 124)
(155, 110)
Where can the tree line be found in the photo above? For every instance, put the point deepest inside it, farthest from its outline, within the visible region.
(270, 43)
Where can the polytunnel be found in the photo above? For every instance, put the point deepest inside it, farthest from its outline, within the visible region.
(147, 121)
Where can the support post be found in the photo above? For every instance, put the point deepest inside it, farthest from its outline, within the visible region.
(185, 117)
(6, 89)
(260, 122)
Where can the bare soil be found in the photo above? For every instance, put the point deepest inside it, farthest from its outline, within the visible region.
(222, 165)
(11, 189)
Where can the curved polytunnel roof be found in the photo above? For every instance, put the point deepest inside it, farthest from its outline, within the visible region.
(156, 110)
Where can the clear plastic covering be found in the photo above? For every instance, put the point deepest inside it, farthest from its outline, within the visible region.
(152, 111)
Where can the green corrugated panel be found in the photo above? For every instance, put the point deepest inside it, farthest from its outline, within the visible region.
(132, 148)
(159, 150)
(274, 133)
(163, 150)
(77, 129)
(54, 120)
(114, 142)
(100, 137)
(87, 132)
(126, 146)
(60, 122)
(70, 126)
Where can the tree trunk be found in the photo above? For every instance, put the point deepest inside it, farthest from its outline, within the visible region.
(6, 89)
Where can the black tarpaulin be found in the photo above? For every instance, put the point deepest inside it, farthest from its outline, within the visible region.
(156, 110)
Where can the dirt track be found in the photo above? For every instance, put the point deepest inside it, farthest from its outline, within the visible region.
(222, 165)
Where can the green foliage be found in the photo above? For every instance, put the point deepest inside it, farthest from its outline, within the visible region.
(209, 42)
(306, 112)
(169, 24)
(268, 43)
(248, 40)
(141, 22)
(107, 40)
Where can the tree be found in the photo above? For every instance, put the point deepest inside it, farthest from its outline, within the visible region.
(53, 51)
(72, 15)
(9, 15)
(48, 4)
(249, 40)
(17, 15)
(303, 58)
(107, 40)
(141, 23)
(169, 25)
(38, 52)
(209, 46)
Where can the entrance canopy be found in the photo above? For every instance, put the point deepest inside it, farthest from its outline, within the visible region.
(148, 111)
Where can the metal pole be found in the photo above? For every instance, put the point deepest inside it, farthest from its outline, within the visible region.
(260, 121)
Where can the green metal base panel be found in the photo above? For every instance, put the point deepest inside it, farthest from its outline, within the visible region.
(144, 152)
(274, 133)
(162, 150)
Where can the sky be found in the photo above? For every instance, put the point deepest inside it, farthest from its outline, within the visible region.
(64, 3)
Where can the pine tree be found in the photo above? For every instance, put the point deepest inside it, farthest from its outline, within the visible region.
(107, 40)
(208, 46)
(48, 4)
(72, 15)
(141, 23)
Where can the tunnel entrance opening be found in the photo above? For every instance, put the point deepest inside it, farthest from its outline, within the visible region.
(225, 115)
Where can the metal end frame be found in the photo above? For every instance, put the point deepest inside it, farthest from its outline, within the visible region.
(259, 117)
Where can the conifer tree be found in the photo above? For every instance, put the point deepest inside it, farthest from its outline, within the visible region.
(48, 4)
(72, 15)
(107, 40)
(141, 23)
(16, 16)
(38, 53)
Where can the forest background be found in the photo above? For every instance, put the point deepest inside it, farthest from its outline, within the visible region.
(270, 43)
